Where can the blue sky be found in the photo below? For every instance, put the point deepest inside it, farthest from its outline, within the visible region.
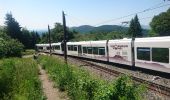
(37, 14)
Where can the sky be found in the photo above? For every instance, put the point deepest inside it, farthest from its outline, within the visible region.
(37, 14)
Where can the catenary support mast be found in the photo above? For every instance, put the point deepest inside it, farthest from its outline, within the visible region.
(65, 37)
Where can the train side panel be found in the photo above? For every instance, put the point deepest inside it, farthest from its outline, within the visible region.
(153, 53)
(95, 50)
(56, 48)
(74, 48)
(120, 51)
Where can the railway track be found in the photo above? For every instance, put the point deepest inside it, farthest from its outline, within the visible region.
(158, 88)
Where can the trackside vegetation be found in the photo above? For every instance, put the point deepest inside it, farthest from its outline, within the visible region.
(28, 52)
(19, 80)
(80, 85)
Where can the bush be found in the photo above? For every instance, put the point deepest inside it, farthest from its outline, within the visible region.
(9, 47)
(19, 80)
(82, 86)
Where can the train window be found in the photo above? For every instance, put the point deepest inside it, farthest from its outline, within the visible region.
(75, 48)
(89, 49)
(143, 53)
(101, 51)
(160, 55)
(48, 48)
(57, 47)
(72, 47)
(95, 50)
(69, 47)
(84, 49)
(40, 47)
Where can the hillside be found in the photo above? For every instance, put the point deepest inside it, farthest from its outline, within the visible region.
(83, 28)
(104, 28)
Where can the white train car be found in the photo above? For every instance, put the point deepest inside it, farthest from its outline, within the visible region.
(43, 47)
(57, 48)
(149, 53)
(120, 51)
(74, 48)
(153, 53)
(95, 50)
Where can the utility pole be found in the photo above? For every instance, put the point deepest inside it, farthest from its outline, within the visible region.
(49, 38)
(65, 37)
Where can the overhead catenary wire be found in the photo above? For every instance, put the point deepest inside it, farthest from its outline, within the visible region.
(146, 10)
(78, 19)
(160, 5)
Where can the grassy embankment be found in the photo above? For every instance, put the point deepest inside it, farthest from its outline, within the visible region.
(28, 52)
(19, 80)
(80, 85)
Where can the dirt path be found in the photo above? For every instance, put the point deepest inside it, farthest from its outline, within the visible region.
(48, 87)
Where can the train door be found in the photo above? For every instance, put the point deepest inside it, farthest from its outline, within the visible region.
(62, 47)
(79, 50)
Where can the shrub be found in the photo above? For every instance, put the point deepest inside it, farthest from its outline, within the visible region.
(82, 86)
(9, 47)
(19, 80)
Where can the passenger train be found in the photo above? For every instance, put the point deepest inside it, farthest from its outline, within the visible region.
(150, 53)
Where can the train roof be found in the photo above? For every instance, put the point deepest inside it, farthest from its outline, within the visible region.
(153, 39)
(42, 45)
(86, 42)
(121, 40)
(146, 39)
(59, 43)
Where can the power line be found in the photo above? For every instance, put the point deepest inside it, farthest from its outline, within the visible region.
(146, 10)
(78, 19)
(127, 22)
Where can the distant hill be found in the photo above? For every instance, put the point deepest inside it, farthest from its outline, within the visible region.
(40, 32)
(1, 27)
(103, 28)
(109, 28)
(106, 28)
(83, 28)
(146, 27)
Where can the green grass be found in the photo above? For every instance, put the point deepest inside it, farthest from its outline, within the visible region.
(80, 85)
(28, 52)
(19, 80)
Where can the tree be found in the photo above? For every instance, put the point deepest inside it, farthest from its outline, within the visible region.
(13, 28)
(9, 47)
(30, 38)
(35, 38)
(57, 34)
(135, 29)
(160, 24)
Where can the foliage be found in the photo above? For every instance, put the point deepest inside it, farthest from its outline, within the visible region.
(28, 52)
(29, 39)
(160, 24)
(135, 29)
(19, 80)
(82, 86)
(13, 29)
(103, 28)
(152, 33)
(9, 47)
(57, 34)
(99, 36)
(13, 48)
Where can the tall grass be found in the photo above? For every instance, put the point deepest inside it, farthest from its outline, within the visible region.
(81, 86)
(19, 80)
(28, 52)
